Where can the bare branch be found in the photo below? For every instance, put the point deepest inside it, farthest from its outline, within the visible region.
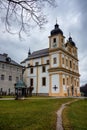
(21, 14)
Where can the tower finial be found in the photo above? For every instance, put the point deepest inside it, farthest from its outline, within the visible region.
(56, 20)
(56, 25)
(70, 38)
(69, 34)
(29, 52)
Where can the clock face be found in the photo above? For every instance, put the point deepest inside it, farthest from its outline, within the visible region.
(54, 45)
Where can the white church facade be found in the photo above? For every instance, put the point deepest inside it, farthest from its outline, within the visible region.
(54, 71)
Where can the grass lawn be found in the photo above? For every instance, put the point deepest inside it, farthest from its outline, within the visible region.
(75, 116)
(7, 96)
(29, 114)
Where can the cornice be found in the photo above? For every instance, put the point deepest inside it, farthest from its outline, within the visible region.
(60, 49)
(64, 70)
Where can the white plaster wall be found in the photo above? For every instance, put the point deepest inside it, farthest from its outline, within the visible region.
(43, 89)
(57, 41)
(64, 86)
(34, 71)
(63, 65)
(29, 76)
(37, 60)
(56, 55)
(67, 67)
(34, 83)
(55, 81)
(45, 59)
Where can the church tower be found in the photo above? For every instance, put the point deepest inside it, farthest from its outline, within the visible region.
(63, 68)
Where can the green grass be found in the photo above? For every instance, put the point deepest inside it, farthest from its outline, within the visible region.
(29, 114)
(75, 116)
(7, 96)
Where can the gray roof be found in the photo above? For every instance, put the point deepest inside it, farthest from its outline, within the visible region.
(4, 58)
(38, 54)
(20, 84)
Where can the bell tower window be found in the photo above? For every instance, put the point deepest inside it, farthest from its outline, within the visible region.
(54, 60)
(54, 40)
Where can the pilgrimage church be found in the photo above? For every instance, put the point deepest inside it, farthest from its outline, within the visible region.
(54, 71)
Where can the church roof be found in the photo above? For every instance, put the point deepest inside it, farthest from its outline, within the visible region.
(5, 59)
(37, 54)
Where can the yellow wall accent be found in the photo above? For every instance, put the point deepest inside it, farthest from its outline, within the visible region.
(37, 80)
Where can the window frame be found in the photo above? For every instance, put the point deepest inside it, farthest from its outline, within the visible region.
(17, 79)
(47, 61)
(43, 69)
(36, 63)
(54, 40)
(10, 78)
(2, 77)
(54, 60)
(31, 81)
(31, 70)
(63, 81)
(43, 81)
(70, 64)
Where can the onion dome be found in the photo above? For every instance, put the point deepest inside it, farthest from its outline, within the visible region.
(56, 30)
(71, 41)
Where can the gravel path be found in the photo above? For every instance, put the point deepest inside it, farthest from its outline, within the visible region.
(59, 115)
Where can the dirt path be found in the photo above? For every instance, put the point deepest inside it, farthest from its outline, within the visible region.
(59, 115)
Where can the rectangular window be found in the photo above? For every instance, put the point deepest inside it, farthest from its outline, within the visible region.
(31, 82)
(62, 60)
(28, 65)
(54, 40)
(62, 40)
(74, 66)
(63, 81)
(70, 64)
(69, 49)
(2, 77)
(67, 81)
(3, 66)
(66, 62)
(31, 70)
(44, 81)
(47, 61)
(37, 63)
(54, 60)
(1, 90)
(10, 78)
(77, 83)
(21, 77)
(17, 79)
(43, 69)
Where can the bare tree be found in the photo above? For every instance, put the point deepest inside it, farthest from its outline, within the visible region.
(20, 15)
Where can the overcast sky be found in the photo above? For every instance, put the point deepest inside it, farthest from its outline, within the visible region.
(71, 16)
